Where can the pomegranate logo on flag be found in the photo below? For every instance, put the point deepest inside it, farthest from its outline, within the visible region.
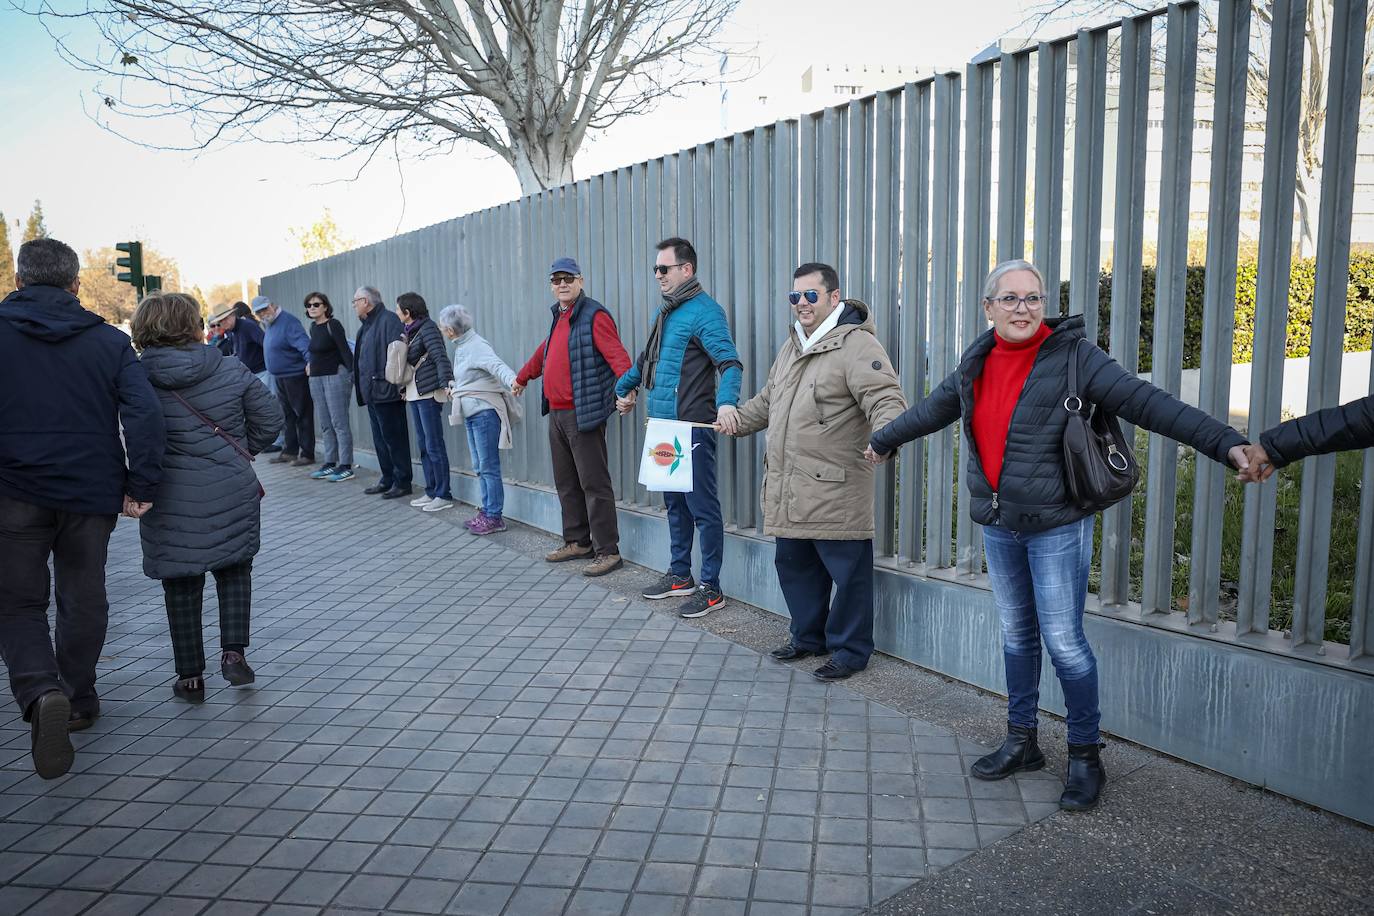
(665, 455)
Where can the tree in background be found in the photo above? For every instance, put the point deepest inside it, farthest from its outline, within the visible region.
(220, 295)
(6, 259)
(36, 228)
(321, 239)
(526, 79)
(109, 298)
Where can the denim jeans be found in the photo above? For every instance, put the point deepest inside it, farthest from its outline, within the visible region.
(484, 438)
(1040, 583)
(699, 508)
(266, 378)
(428, 416)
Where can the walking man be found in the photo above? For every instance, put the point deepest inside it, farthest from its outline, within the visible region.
(64, 478)
(580, 361)
(831, 386)
(286, 350)
(689, 345)
(386, 407)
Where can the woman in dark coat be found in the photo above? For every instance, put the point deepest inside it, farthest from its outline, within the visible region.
(1010, 390)
(205, 515)
(426, 395)
(1332, 429)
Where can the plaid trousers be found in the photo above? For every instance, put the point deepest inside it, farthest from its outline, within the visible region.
(185, 600)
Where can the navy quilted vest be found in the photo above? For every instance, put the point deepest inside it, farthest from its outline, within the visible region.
(593, 379)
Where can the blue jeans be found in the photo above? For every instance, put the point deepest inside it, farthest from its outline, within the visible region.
(428, 416)
(484, 438)
(699, 508)
(266, 378)
(1040, 583)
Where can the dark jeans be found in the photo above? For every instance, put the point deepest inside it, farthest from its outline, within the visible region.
(1040, 583)
(701, 508)
(484, 444)
(391, 441)
(807, 570)
(185, 604)
(78, 545)
(583, 478)
(293, 391)
(428, 416)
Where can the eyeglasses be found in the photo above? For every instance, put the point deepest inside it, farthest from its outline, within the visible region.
(318, 305)
(662, 269)
(811, 296)
(562, 279)
(1035, 302)
(360, 299)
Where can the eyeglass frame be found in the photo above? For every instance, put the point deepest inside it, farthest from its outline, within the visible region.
(1009, 302)
(319, 305)
(557, 281)
(662, 269)
(812, 296)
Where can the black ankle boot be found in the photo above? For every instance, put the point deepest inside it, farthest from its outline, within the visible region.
(1018, 752)
(1086, 777)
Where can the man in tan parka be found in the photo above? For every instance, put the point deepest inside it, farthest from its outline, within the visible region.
(830, 388)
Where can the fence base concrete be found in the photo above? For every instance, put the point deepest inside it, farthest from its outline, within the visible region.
(1301, 729)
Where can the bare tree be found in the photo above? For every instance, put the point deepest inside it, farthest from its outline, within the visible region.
(1315, 78)
(527, 79)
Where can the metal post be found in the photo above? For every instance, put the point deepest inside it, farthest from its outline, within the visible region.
(944, 355)
(911, 343)
(1012, 141)
(1051, 91)
(1090, 112)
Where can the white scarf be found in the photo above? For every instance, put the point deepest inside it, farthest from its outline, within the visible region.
(822, 329)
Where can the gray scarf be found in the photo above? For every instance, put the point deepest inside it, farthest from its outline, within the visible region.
(671, 300)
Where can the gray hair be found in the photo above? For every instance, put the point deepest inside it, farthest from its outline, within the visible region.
(1007, 267)
(456, 318)
(373, 294)
(47, 262)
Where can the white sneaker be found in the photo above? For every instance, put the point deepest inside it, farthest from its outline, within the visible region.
(438, 505)
(422, 502)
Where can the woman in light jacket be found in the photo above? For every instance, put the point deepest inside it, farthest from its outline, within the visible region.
(427, 394)
(205, 514)
(481, 382)
(1009, 391)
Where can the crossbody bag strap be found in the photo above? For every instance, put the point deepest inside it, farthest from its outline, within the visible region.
(214, 426)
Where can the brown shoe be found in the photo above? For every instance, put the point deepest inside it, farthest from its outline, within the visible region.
(568, 552)
(302, 462)
(608, 562)
(283, 458)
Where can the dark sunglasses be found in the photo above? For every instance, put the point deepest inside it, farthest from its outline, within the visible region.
(662, 269)
(561, 279)
(811, 296)
(314, 305)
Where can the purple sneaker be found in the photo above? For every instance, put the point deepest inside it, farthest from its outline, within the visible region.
(474, 520)
(487, 525)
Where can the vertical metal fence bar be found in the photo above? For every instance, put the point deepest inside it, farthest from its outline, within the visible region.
(944, 355)
(790, 195)
(1051, 92)
(1171, 283)
(853, 268)
(829, 189)
(1012, 140)
(809, 146)
(977, 251)
(764, 301)
(1362, 605)
(1283, 110)
(910, 352)
(882, 297)
(746, 314)
(1339, 145)
(1090, 111)
(721, 258)
(1133, 111)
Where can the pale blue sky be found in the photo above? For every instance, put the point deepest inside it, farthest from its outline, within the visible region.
(225, 214)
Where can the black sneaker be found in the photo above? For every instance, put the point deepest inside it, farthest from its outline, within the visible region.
(706, 600)
(671, 586)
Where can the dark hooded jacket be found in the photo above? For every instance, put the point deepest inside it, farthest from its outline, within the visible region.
(68, 381)
(1332, 429)
(205, 515)
(1031, 495)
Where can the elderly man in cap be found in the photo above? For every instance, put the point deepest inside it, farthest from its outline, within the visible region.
(245, 337)
(580, 360)
(286, 350)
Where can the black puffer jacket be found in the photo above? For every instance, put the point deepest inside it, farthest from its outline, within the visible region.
(205, 511)
(1332, 429)
(425, 340)
(1031, 494)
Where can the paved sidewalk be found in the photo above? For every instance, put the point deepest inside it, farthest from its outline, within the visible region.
(445, 724)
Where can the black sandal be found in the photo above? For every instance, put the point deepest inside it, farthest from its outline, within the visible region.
(190, 689)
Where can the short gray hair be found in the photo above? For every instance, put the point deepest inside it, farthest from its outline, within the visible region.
(456, 318)
(373, 294)
(47, 262)
(1007, 267)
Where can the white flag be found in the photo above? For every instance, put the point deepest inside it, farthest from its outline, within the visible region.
(666, 465)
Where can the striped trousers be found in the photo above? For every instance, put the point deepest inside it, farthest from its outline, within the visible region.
(332, 395)
(185, 601)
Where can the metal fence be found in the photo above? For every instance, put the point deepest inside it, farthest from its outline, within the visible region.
(913, 193)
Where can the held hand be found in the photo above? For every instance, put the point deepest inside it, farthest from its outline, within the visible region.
(517, 389)
(1260, 469)
(727, 420)
(874, 457)
(135, 509)
(1241, 461)
(626, 404)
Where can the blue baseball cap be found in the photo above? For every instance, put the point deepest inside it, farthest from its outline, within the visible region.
(260, 303)
(565, 266)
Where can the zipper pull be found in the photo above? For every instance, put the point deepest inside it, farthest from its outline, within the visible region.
(994, 500)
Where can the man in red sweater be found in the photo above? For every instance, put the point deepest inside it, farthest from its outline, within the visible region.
(580, 361)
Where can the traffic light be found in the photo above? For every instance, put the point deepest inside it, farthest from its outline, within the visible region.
(152, 283)
(133, 275)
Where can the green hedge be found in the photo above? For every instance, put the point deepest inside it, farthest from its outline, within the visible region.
(1359, 313)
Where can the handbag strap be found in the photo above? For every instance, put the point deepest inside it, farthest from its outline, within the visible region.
(1073, 380)
(214, 426)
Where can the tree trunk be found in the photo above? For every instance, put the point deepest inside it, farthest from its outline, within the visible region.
(540, 167)
(1309, 196)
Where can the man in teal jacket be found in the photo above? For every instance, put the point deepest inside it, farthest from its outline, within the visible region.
(689, 345)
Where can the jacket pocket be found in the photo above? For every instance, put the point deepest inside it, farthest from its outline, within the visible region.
(815, 492)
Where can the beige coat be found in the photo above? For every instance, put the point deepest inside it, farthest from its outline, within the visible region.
(820, 409)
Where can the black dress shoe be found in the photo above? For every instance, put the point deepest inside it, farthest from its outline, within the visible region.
(235, 669)
(191, 689)
(1086, 777)
(270, 450)
(834, 671)
(375, 489)
(80, 720)
(1018, 752)
(52, 747)
(396, 493)
(790, 653)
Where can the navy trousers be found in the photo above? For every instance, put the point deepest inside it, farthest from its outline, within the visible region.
(808, 571)
(699, 510)
(391, 441)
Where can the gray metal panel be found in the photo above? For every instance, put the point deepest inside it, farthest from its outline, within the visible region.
(1362, 605)
(760, 287)
(882, 295)
(1283, 109)
(1090, 109)
(1051, 91)
(829, 190)
(910, 352)
(746, 314)
(944, 312)
(1013, 138)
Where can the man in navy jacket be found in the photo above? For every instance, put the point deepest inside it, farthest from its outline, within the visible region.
(68, 382)
(385, 402)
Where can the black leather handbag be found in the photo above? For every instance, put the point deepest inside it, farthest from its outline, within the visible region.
(1099, 464)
